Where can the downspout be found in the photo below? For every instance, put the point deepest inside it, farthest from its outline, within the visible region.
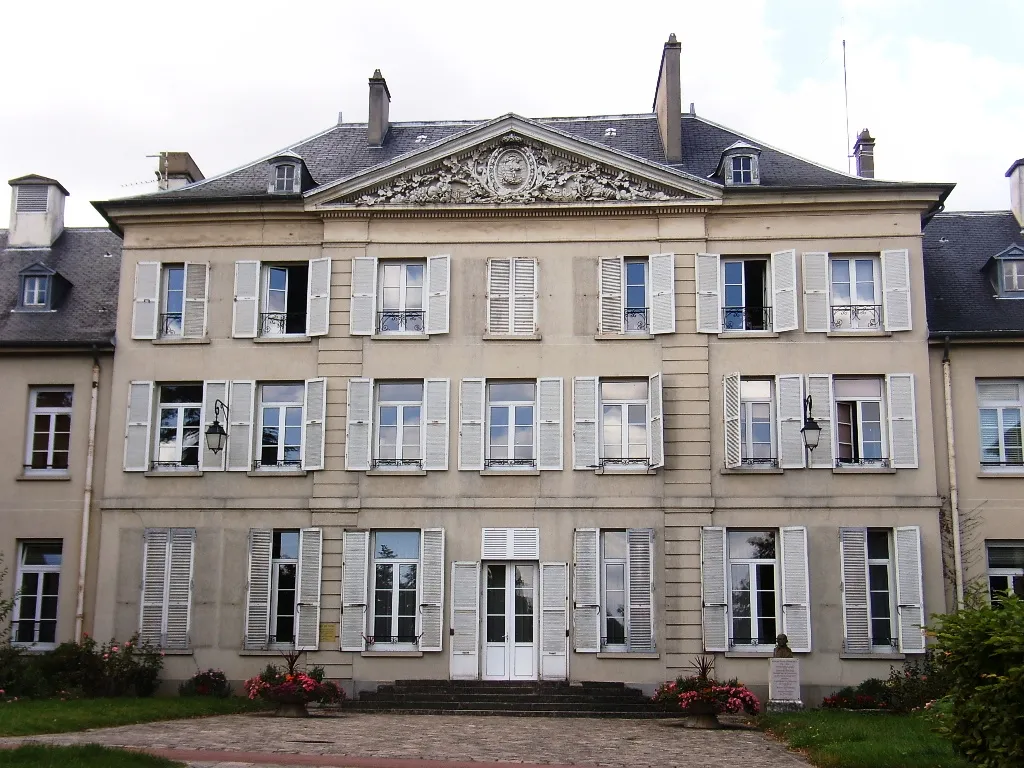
(90, 456)
(954, 492)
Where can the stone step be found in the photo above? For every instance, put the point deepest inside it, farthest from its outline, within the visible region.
(498, 696)
(625, 714)
(498, 704)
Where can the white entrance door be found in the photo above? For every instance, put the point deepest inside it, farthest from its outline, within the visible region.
(510, 621)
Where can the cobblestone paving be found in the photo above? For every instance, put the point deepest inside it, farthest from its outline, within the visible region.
(560, 741)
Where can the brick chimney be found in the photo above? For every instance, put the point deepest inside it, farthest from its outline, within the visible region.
(668, 102)
(380, 100)
(1016, 177)
(176, 170)
(37, 212)
(864, 152)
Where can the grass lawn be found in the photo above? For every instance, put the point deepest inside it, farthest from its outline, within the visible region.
(89, 756)
(25, 718)
(834, 739)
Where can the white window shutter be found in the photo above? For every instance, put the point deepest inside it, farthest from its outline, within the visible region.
(853, 553)
(438, 293)
(465, 629)
(524, 297)
(257, 604)
(197, 282)
(431, 586)
(663, 292)
(146, 304)
(554, 621)
(733, 433)
(471, 423)
(354, 580)
(314, 412)
(245, 312)
(784, 309)
(789, 391)
(899, 388)
(154, 585)
(243, 406)
(549, 423)
(610, 278)
(524, 543)
(318, 298)
(584, 422)
(363, 306)
(640, 599)
(495, 543)
(359, 425)
(136, 433)
(896, 290)
(586, 590)
(499, 296)
(819, 387)
(179, 587)
(435, 429)
(656, 426)
(816, 293)
(796, 598)
(307, 624)
(212, 392)
(909, 589)
(713, 586)
(709, 302)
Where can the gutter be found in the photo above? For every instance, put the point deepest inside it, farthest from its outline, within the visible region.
(90, 463)
(954, 491)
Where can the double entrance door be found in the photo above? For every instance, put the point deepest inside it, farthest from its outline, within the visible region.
(509, 621)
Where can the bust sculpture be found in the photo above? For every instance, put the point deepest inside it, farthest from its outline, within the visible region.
(782, 649)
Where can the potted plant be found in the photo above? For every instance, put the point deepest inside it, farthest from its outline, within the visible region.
(291, 689)
(700, 699)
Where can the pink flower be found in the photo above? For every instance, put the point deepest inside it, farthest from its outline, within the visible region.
(114, 649)
(106, 656)
(161, 653)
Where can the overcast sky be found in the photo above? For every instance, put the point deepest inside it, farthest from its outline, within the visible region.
(88, 90)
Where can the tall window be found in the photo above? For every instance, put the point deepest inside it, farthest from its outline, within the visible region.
(636, 317)
(855, 293)
(1000, 404)
(753, 580)
(173, 288)
(881, 610)
(283, 587)
(399, 424)
(746, 295)
(49, 439)
(1005, 568)
(396, 557)
(614, 557)
(743, 169)
(281, 426)
(180, 432)
(400, 297)
(859, 420)
(35, 291)
(284, 299)
(1013, 275)
(510, 424)
(284, 178)
(756, 423)
(624, 422)
(35, 610)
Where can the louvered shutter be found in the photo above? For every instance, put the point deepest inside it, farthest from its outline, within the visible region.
(584, 422)
(610, 313)
(197, 281)
(359, 425)
(471, 424)
(318, 298)
(435, 430)
(438, 293)
(146, 303)
(899, 388)
(245, 312)
(663, 292)
(549, 427)
(510, 544)
(819, 387)
(713, 589)
(554, 621)
(307, 624)
(136, 433)
(362, 307)
(816, 293)
(909, 589)
(525, 543)
(796, 600)
(431, 586)
(465, 629)
(243, 406)
(586, 590)
(212, 392)
(733, 433)
(896, 290)
(789, 391)
(656, 431)
(524, 297)
(853, 553)
(179, 587)
(154, 585)
(640, 599)
(257, 603)
(499, 296)
(355, 573)
(784, 310)
(709, 303)
(313, 412)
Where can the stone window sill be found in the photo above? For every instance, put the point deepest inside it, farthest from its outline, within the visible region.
(751, 470)
(173, 340)
(512, 337)
(1001, 473)
(863, 471)
(748, 335)
(173, 473)
(395, 472)
(509, 472)
(43, 476)
(626, 655)
(750, 654)
(624, 471)
(622, 336)
(399, 336)
(283, 339)
(391, 654)
(177, 652)
(276, 473)
(262, 652)
(874, 656)
(857, 334)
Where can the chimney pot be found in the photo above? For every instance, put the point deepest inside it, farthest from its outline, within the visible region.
(1016, 176)
(864, 152)
(176, 170)
(668, 102)
(380, 100)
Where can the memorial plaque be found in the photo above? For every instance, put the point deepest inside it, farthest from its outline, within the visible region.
(328, 632)
(784, 681)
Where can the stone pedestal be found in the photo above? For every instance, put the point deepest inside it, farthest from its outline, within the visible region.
(784, 685)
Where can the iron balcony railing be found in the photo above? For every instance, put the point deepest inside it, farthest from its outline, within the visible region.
(397, 463)
(170, 466)
(510, 463)
(635, 320)
(747, 319)
(34, 631)
(619, 461)
(277, 464)
(396, 321)
(760, 461)
(848, 317)
(858, 462)
(873, 644)
(373, 639)
(751, 640)
(170, 325)
(1007, 463)
(282, 323)
(44, 468)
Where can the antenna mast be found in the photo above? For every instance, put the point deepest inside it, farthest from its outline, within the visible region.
(846, 100)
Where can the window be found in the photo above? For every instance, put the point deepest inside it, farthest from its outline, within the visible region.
(169, 301)
(746, 295)
(180, 431)
(49, 439)
(753, 585)
(512, 297)
(400, 297)
(34, 620)
(855, 293)
(396, 556)
(1000, 403)
(280, 435)
(1005, 568)
(624, 422)
(284, 178)
(757, 433)
(399, 422)
(614, 553)
(510, 424)
(173, 300)
(881, 611)
(36, 291)
(284, 299)
(283, 586)
(636, 294)
(167, 563)
(635, 315)
(742, 168)
(1013, 275)
(859, 419)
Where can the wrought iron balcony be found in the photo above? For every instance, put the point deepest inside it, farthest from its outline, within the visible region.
(760, 461)
(635, 320)
(1008, 463)
(395, 321)
(867, 317)
(397, 463)
(282, 323)
(491, 463)
(171, 466)
(374, 639)
(619, 461)
(170, 325)
(874, 645)
(751, 640)
(45, 467)
(276, 464)
(859, 462)
(746, 318)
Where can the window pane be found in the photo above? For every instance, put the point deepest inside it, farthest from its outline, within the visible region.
(512, 391)
(286, 545)
(865, 387)
(43, 553)
(623, 390)
(388, 416)
(384, 581)
(496, 629)
(840, 271)
(282, 393)
(614, 545)
(524, 629)
(382, 629)
(878, 545)
(880, 605)
(755, 389)
(615, 629)
(400, 391)
(401, 545)
(53, 399)
(1006, 556)
(496, 601)
(636, 296)
(181, 393)
(615, 577)
(751, 545)
(638, 414)
(411, 416)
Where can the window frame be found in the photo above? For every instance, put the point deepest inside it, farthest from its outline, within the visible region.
(746, 425)
(397, 463)
(873, 319)
(1010, 574)
(268, 318)
(746, 175)
(638, 462)
(512, 407)
(170, 465)
(606, 561)
(165, 331)
(43, 285)
(1016, 268)
(755, 616)
(889, 562)
(767, 300)
(641, 314)
(276, 563)
(282, 406)
(857, 425)
(288, 177)
(392, 643)
(41, 570)
(52, 412)
(1000, 406)
(401, 313)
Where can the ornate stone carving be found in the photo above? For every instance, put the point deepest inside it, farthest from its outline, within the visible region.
(514, 169)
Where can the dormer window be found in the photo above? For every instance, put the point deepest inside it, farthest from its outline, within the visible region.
(1005, 272)
(1013, 276)
(287, 174)
(35, 293)
(32, 198)
(739, 165)
(284, 178)
(742, 169)
(610, 133)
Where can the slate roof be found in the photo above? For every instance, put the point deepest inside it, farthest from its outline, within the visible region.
(960, 296)
(87, 316)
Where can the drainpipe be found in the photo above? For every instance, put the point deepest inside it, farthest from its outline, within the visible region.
(954, 492)
(90, 456)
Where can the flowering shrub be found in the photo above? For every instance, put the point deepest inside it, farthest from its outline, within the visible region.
(207, 682)
(292, 687)
(909, 688)
(849, 698)
(706, 696)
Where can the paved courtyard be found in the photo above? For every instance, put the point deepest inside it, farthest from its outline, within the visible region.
(366, 740)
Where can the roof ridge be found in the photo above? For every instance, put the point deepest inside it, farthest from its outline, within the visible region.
(974, 213)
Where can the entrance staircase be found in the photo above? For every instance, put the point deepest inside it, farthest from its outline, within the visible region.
(504, 697)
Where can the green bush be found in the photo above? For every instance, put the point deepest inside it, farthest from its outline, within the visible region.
(206, 682)
(921, 680)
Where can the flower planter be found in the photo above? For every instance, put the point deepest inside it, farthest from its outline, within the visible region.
(291, 709)
(706, 721)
